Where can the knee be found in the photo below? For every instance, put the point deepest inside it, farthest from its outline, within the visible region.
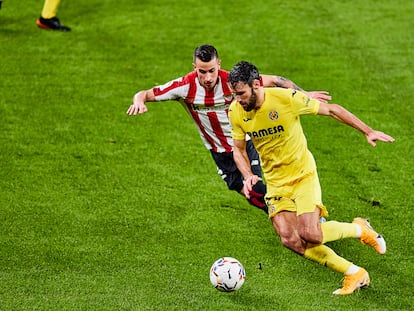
(311, 234)
(288, 242)
(292, 242)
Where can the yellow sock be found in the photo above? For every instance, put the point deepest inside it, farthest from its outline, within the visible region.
(50, 8)
(334, 230)
(325, 256)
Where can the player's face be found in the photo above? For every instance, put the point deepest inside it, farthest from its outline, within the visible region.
(207, 72)
(245, 95)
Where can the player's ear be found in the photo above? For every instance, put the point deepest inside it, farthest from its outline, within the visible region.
(194, 66)
(256, 83)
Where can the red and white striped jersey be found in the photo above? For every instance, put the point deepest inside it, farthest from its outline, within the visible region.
(209, 109)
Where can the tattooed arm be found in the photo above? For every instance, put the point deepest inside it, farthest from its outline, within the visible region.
(278, 81)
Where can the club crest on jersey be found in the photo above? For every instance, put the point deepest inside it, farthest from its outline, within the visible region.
(273, 115)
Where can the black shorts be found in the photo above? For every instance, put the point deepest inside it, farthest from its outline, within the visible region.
(227, 169)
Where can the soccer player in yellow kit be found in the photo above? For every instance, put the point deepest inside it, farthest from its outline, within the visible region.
(271, 117)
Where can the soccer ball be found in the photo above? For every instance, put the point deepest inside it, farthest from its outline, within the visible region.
(227, 274)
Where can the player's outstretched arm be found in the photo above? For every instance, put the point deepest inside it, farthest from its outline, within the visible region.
(138, 106)
(278, 81)
(341, 114)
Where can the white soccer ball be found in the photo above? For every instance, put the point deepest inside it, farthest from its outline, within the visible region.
(227, 274)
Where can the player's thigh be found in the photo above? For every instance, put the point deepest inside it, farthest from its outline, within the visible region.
(286, 226)
(285, 223)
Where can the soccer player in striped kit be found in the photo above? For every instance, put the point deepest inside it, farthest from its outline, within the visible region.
(206, 96)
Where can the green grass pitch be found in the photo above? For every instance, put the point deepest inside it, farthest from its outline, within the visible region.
(101, 211)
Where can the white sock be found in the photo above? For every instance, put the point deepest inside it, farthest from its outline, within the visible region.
(352, 270)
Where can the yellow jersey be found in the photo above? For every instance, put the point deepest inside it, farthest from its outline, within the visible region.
(277, 134)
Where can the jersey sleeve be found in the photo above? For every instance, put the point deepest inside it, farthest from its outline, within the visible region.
(303, 104)
(172, 90)
(237, 133)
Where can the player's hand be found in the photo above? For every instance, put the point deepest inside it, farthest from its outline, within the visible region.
(373, 136)
(322, 96)
(249, 182)
(137, 108)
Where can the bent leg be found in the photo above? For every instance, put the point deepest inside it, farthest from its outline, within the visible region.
(285, 224)
(227, 169)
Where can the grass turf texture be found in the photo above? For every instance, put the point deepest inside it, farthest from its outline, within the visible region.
(100, 211)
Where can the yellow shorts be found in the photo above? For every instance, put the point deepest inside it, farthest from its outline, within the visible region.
(302, 196)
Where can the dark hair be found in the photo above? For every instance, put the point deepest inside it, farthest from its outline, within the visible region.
(244, 72)
(205, 53)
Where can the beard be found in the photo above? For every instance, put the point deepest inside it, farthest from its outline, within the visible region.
(252, 102)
